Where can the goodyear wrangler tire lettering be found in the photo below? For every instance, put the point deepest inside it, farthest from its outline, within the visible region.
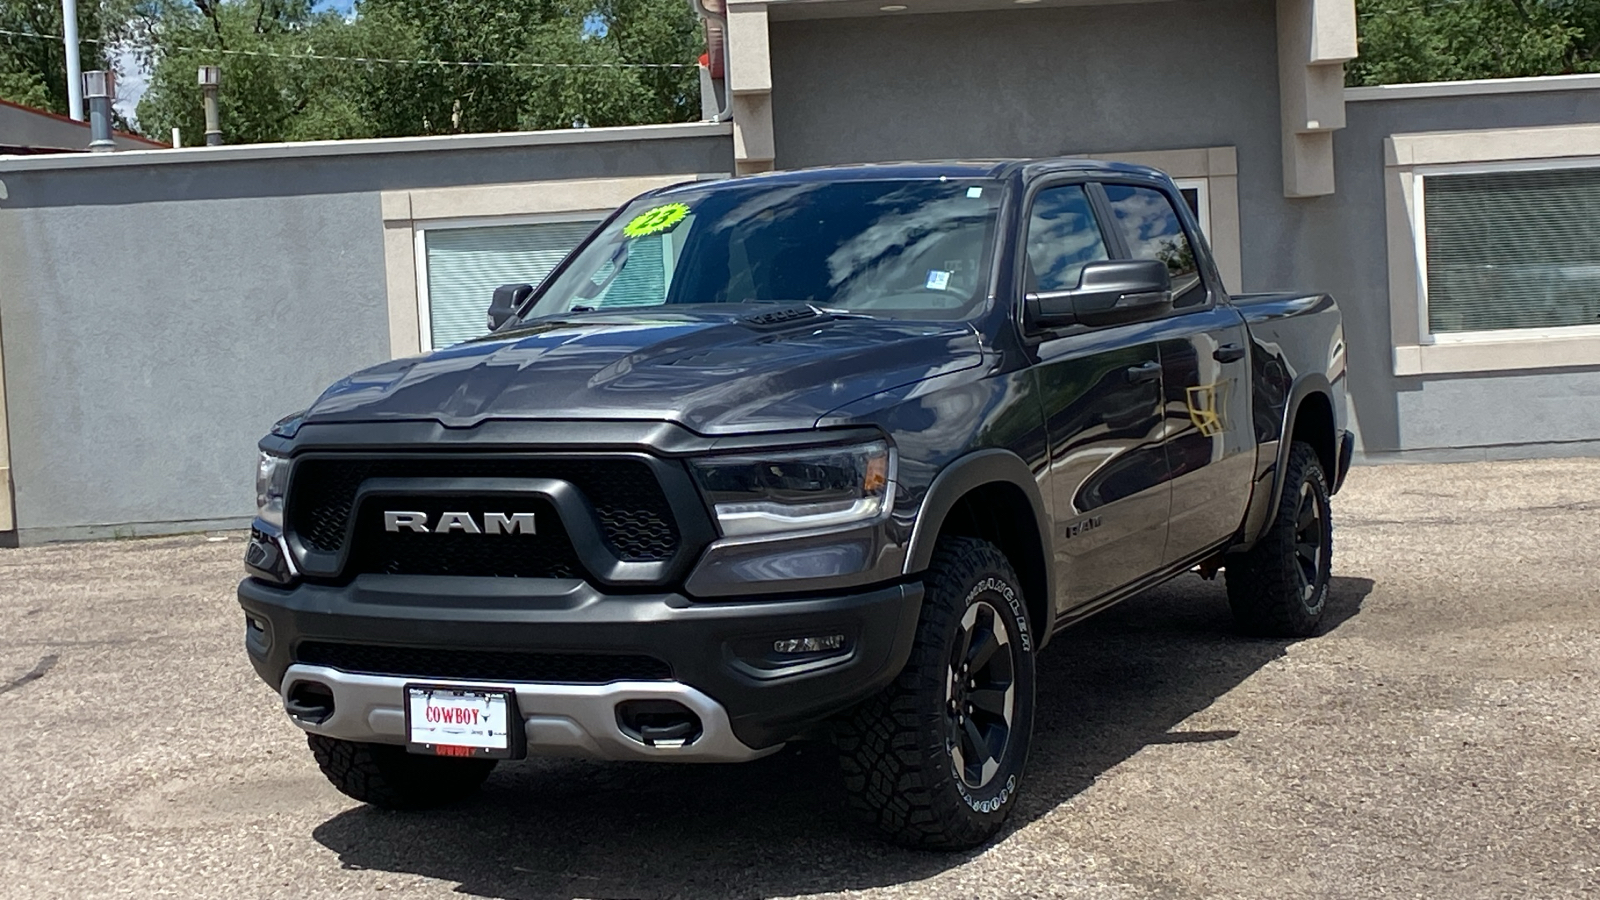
(1013, 599)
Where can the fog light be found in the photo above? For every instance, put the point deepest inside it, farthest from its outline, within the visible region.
(809, 644)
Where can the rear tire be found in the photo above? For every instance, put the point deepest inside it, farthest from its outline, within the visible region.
(1279, 588)
(387, 776)
(935, 759)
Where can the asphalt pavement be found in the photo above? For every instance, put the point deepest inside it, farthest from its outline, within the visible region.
(1440, 739)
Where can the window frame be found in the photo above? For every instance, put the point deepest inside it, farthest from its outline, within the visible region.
(420, 231)
(1426, 337)
(1202, 189)
(1507, 149)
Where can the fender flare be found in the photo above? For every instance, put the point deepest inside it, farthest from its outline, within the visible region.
(963, 475)
(1304, 386)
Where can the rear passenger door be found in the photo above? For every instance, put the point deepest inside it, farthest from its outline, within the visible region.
(1101, 390)
(1203, 347)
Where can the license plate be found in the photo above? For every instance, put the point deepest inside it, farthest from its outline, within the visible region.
(453, 721)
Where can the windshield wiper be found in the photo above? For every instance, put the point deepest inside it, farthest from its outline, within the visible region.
(845, 313)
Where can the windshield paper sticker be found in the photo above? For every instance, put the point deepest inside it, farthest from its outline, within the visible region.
(938, 279)
(655, 221)
(974, 193)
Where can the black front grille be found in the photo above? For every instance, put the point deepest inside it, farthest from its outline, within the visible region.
(632, 509)
(546, 553)
(483, 665)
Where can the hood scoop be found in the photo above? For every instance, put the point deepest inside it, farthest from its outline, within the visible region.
(780, 318)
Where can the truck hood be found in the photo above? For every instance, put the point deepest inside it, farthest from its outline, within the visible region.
(712, 372)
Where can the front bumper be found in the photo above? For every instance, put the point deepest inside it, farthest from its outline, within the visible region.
(748, 698)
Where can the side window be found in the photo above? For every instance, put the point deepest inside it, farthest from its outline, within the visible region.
(1152, 230)
(1063, 237)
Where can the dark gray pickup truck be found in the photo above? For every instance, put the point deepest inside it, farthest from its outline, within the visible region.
(821, 454)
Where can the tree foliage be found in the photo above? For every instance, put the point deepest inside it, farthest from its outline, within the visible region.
(1446, 40)
(284, 94)
(33, 70)
(270, 91)
(293, 70)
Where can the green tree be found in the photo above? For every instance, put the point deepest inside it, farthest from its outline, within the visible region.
(1446, 40)
(272, 87)
(1585, 16)
(33, 68)
(577, 64)
(571, 67)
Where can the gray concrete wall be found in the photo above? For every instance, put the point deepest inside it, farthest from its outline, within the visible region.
(1043, 82)
(157, 317)
(1162, 76)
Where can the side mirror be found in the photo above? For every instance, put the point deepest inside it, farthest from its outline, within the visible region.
(507, 297)
(1112, 292)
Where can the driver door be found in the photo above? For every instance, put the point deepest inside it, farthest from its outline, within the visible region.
(1102, 395)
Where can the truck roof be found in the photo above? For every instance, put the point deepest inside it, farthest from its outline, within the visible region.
(960, 168)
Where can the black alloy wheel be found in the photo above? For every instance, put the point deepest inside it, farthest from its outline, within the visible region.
(980, 695)
(1308, 532)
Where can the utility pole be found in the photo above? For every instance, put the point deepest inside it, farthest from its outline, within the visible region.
(69, 37)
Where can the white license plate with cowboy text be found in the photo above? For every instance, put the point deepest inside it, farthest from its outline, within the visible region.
(455, 721)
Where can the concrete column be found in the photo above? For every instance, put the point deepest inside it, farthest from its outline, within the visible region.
(1315, 39)
(750, 88)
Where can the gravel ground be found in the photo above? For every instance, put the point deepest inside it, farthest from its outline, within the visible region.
(1441, 739)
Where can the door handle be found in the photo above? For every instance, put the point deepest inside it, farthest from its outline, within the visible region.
(1144, 373)
(1228, 353)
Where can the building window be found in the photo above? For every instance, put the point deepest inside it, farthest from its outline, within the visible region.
(1509, 253)
(460, 263)
(446, 249)
(1493, 264)
(1197, 194)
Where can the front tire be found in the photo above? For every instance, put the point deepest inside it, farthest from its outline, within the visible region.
(935, 759)
(387, 776)
(1279, 588)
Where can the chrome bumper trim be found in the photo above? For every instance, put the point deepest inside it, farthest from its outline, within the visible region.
(566, 720)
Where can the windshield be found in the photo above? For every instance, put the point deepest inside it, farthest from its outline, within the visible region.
(914, 248)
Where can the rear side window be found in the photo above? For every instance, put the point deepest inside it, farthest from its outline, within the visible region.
(1152, 230)
(1063, 237)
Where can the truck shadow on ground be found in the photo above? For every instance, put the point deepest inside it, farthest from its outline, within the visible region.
(552, 830)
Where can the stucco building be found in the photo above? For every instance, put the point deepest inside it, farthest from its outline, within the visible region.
(160, 308)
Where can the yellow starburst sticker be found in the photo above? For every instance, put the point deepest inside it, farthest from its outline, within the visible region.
(655, 221)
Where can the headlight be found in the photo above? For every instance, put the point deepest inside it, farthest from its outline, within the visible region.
(801, 490)
(272, 480)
